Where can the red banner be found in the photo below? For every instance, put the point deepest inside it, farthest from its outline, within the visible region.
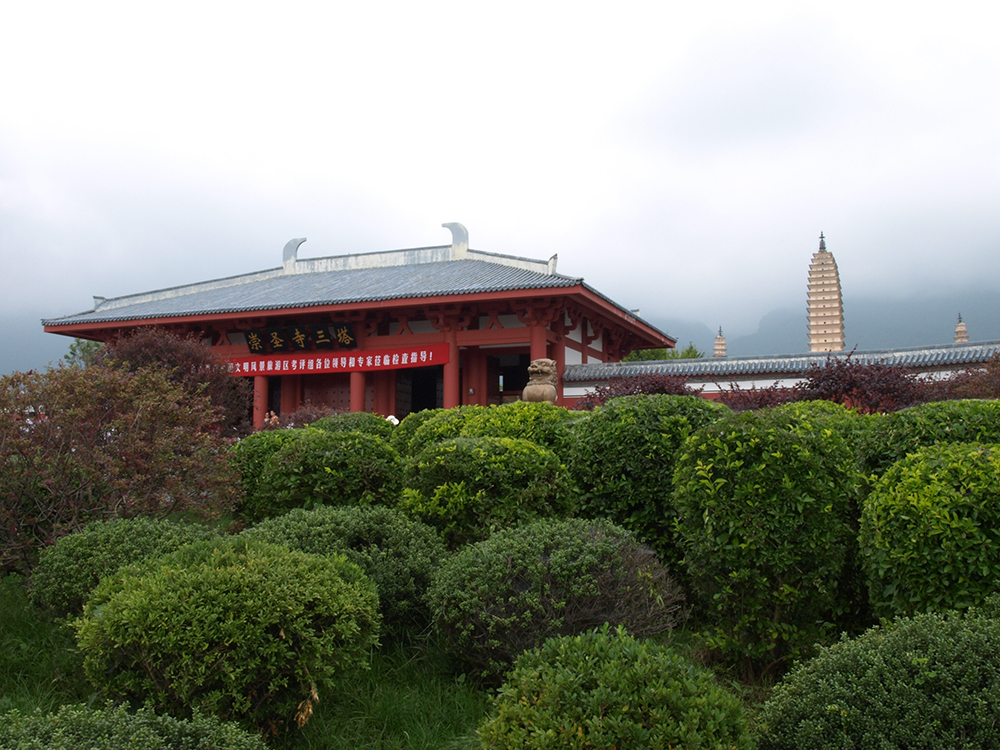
(304, 363)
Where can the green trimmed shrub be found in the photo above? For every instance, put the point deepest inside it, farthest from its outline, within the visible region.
(932, 681)
(497, 598)
(442, 424)
(622, 458)
(606, 689)
(895, 435)
(403, 435)
(399, 553)
(250, 455)
(468, 487)
(764, 503)
(539, 422)
(70, 569)
(326, 468)
(112, 727)
(930, 530)
(358, 421)
(244, 630)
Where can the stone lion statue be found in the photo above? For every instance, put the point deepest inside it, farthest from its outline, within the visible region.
(542, 381)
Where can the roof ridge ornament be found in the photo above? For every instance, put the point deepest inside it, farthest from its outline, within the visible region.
(291, 253)
(459, 240)
(822, 241)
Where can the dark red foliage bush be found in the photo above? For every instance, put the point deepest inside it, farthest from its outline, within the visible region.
(188, 362)
(305, 415)
(866, 386)
(672, 385)
(973, 382)
(81, 444)
(750, 399)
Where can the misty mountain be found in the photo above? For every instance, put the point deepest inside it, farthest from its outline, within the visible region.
(869, 324)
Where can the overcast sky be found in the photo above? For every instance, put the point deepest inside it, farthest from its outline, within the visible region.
(681, 157)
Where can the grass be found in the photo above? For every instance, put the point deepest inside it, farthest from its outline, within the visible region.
(39, 665)
(407, 700)
(404, 701)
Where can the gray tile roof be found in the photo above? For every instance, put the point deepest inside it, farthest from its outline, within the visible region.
(278, 288)
(711, 368)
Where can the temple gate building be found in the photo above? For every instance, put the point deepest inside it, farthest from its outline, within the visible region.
(389, 332)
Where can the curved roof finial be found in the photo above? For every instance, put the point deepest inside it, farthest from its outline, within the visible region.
(822, 242)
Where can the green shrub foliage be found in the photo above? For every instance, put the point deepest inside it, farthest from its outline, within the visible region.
(441, 424)
(622, 458)
(930, 530)
(74, 727)
(399, 553)
(405, 431)
(895, 435)
(932, 681)
(249, 456)
(358, 421)
(606, 689)
(318, 467)
(70, 569)
(764, 515)
(244, 630)
(827, 420)
(539, 422)
(468, 487)
(497, 598)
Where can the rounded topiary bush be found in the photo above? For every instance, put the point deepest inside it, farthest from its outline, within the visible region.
(112, 727)
(932, 681)
(326, 468)
(442, 424)
(622, 458)
(764, 517)
(497, 598)
(900, 433)
(930, 530)
(399, 553)
(240, 629)
(539, 422)
(70, 569)
(468, 487)
(248, 457)
(606, 689)
(403, 435)
(358, 421)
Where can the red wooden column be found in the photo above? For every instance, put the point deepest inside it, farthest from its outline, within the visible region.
(537, 315)
(539, 341)
(452, 382)
(357, 391)
(259, 400)
(384, 397)
(559, 354)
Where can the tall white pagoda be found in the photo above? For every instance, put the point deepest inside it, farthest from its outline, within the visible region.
(826, 305)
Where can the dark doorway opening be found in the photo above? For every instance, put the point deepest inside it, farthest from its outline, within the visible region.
(274, 394)
(427, 391)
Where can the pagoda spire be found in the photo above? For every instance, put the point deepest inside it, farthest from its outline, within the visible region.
(961, 332)
(825, 302)
(720, 345)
